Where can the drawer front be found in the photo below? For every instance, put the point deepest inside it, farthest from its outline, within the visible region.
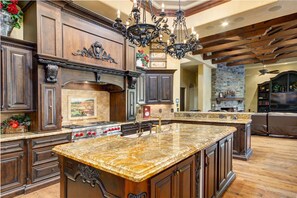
(43, 155)
(13, 146)
(51, 140)
(45, 171)
(129, 127)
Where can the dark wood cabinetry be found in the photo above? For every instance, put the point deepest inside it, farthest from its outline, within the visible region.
(49, 118)
(141, 88)
(177, 181)
(159, 86)
(131, 104)
(13, 167)
(263, 97)
(210, 171)
(43, 162)
(218, 171)
(16, 75)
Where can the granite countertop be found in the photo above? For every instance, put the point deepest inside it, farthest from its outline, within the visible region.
(30, 135)
(138, 159)
(197, 119)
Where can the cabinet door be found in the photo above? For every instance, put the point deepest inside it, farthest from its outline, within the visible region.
(223, 162)
(164, 184)
(13, 170)
(152, 88)
(131, 102)
(140, 86)
(210, 171)
(165, 88)
(18, 77)
(186, 178)
(49, 109)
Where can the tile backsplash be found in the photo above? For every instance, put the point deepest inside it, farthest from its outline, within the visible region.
(163, 110)
(102, 100)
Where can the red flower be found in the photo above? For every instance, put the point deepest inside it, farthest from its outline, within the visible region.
(1, 5)
(14, 124)
(14, 1)
(140, 51)
(11, 8)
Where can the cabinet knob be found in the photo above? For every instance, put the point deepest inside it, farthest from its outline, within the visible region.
(50, 107)
(21, 156)
(53, 169)
(52, 153)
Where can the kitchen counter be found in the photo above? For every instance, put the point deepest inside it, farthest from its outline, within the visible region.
(30, 135)
(138, 159)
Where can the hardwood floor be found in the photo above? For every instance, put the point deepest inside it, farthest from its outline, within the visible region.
(271, 172)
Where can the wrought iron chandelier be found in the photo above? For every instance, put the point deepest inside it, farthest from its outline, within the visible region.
(180, 42)
(142, 33)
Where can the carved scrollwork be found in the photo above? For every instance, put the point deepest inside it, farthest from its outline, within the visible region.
(92, 176)
(140, 195)
(96, 51)
(51, 72)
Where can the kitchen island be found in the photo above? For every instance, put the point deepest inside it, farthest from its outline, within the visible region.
(184, 160)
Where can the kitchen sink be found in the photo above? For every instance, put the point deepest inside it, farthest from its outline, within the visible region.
(145, 133)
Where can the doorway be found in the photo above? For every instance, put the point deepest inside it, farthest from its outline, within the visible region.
(182, 98)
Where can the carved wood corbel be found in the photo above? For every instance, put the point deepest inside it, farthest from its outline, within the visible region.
(51, 73)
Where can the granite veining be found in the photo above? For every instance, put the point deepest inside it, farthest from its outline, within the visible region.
(138, 159)
(30, 135)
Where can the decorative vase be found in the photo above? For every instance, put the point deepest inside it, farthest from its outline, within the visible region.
(19, 129)
(138, 63)
(7, 23)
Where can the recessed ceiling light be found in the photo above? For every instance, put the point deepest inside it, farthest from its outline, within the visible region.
(224, 24)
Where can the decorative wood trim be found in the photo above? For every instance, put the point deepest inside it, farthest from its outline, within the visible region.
(91, 176)
(197, 174)
(96, 51)
(132, 82)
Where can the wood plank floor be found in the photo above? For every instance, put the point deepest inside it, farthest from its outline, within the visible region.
(270, 173)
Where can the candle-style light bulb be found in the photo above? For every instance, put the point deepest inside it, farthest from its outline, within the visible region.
(118, 14)
(185, 41)
(197, 36)
(163, 7)
(168, 42)
(135, 3)
(172, 30)
(127, 23)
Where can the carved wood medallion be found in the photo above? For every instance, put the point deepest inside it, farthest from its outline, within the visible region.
(51, 72)
(140, 195)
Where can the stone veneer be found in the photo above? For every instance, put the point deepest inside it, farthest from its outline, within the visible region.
(103, 99)
(228, 78)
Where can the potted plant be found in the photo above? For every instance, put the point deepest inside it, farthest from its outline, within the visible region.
(142, 59)
(10, 16)
(16, 123)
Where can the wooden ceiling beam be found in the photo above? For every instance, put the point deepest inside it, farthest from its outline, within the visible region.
(251, 28)
(290, 55)
(243, 62)
(225, 53)
(276, 46)
(234, 58)
(247, 41)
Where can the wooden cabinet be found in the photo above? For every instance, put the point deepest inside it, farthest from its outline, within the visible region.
(50, 118)
(13, 167)
(225, 161)
(218, 170)
(141, 88)
(16, 75)
(210, 171)
(159, 86)
(131, 104)
(177, 181)
(43, 162)
(263, 97)
(130, 56)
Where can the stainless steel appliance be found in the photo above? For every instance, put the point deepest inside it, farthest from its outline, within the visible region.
(94, 130)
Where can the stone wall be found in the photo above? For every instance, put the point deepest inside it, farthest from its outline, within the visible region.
(228, 78)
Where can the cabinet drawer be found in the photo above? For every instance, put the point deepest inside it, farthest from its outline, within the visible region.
(13, 146)
(45, 171)
(129, 127)
(43, 155)
(51, 140)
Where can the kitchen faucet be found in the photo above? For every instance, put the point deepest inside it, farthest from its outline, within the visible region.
(158, 127)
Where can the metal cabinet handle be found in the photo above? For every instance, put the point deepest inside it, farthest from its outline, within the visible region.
(52, 153)
(21, 156)
(50, 106)
(53, 169)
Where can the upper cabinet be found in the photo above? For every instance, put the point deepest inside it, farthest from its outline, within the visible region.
(284, 82)
(159, 86)
(130, 56)
(16, 75)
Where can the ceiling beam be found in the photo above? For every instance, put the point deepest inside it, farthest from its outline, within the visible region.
(243, 62)
(234, 58)
(225, 53)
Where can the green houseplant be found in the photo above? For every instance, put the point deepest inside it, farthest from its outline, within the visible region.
(10, 17)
